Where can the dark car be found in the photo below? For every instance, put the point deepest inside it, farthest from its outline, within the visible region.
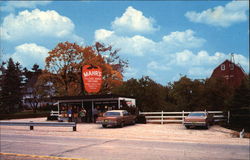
(116, 118)
(198, 119)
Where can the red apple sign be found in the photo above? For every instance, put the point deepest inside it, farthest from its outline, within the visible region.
(92, 78)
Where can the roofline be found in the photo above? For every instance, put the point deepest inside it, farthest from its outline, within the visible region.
(91, 97)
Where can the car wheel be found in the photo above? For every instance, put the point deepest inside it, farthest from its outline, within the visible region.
(104, 126)
(133, 122)
(207, 126)
(122, 124)
(187, 127)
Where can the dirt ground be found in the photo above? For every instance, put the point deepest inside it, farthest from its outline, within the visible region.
(154, 132)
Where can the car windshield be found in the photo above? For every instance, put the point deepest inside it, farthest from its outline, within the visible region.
(113, 114)
(197, 114)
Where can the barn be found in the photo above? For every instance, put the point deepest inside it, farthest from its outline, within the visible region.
(231, 73)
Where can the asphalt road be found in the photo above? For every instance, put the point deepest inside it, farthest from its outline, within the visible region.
(118, 149)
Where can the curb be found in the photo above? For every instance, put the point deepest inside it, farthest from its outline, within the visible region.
(38, 156)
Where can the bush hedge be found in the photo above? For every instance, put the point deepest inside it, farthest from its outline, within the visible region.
(22, 115)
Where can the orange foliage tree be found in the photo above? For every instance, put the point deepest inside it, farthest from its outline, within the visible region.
(63, 67)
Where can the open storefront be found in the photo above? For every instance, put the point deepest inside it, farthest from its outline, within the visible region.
(69, 107)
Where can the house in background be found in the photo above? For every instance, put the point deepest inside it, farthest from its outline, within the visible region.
(31, 99)
(231, 73)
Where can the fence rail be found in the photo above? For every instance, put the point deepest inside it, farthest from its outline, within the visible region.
(32, 124)
(54, 113)
(178, 117)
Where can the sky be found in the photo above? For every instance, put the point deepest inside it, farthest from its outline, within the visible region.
(160, 39)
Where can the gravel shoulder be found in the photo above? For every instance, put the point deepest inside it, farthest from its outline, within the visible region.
(154, 132)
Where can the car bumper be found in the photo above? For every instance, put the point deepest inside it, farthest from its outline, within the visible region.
(195, 123)
(108, 123)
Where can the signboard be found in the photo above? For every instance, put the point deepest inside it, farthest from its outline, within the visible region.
(92, 78)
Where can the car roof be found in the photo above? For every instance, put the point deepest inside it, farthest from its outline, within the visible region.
(198, 112)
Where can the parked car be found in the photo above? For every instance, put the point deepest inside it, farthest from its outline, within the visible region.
(198, 119)
(116, 118)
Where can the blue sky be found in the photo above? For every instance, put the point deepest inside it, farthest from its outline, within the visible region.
(162, 39)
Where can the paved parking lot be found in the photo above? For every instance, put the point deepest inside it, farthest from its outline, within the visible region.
(154, 132)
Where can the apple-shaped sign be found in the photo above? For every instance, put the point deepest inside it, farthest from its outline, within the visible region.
(92, 78)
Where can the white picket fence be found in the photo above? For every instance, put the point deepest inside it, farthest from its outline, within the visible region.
(178, 117)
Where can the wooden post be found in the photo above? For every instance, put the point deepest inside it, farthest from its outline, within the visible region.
(161, 117)
(182, 116)
(58, 107)
(31, 127)
(228, 117)
(74, 128)
(92, 108)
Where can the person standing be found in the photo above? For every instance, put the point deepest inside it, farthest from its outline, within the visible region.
(82, 114)
(95, 114)
(69, 112)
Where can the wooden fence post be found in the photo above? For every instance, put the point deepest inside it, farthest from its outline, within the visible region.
(182, 116)
(161, 117)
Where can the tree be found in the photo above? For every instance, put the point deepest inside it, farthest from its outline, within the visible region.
(63, 67)
(187, 94)
(112, 57)
(182, 91)
(217, 94)
(149, 94)
(31, 88)
(239, 107)
(11, 95)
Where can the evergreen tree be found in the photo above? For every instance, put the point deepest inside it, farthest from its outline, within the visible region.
(240, 107)
(11, 83)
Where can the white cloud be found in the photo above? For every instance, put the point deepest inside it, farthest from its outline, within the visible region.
(153, 65)
(185, 39)
(37, 24)
(188, 58)
(133, 20)
(198, 62)
(243, 61)
(223, 16)
(136, 45)
(29, 53)
(103, 34)
(139, 45)
(12, 5)
(194, 65)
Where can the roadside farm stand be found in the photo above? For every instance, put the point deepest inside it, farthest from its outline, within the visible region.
(101, 103)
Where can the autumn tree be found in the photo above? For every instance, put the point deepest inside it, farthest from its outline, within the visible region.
(63, 67)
